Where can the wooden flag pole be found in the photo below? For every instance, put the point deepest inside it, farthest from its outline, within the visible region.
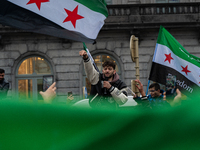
(135, 58)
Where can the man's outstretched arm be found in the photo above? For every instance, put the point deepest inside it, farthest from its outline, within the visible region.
(91, 73)
(141, 90)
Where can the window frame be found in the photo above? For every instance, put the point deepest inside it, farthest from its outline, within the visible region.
(34, 77)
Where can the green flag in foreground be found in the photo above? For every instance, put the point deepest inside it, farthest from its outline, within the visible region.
(26, 126)
(170, 58)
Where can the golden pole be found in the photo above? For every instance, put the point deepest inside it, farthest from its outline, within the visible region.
(135, 58)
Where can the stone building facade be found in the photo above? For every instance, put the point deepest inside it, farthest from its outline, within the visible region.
(62, 56)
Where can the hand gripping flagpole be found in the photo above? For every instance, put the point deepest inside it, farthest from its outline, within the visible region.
(89, 55)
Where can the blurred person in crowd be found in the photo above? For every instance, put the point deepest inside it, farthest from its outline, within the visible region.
(176, 100)
(4, 85)
(156, 98)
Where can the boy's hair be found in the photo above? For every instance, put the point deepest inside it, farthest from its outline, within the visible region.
(109, 63)
(156, 85)
(2, 71)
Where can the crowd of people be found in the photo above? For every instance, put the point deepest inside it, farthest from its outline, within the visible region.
(107, 90)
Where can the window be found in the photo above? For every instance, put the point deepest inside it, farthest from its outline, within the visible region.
(99, 59)
(29, 78)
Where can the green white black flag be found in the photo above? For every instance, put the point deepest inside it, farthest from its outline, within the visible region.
(171, 58)
(79, 20)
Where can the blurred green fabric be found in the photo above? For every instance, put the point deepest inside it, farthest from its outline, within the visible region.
(29, 126)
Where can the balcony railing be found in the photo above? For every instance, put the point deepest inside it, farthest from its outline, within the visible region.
(152, 15)
(153, 9)
(159, 10)
(119, 11)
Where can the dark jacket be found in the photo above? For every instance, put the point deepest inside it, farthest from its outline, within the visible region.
(4, 87)
(105, 99)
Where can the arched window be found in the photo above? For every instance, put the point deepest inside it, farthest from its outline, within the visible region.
(30, 75)
(99, 59)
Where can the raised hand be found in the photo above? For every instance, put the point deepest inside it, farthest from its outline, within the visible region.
(140, 87)
(49, 94)
(83, 53)
(106, 84)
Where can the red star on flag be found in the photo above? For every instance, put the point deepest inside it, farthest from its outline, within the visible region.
(37, 2)
(185, 69)
(73, 16)
(168, 58)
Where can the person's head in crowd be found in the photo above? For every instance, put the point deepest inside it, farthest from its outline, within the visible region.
(154, 90)
(108, 68)
(2, 74)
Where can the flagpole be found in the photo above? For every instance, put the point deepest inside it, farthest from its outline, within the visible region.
(147, 87)
(90, 56)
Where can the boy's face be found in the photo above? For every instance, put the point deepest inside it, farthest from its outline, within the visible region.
(108, 71)
(154, 93)
(2, 76)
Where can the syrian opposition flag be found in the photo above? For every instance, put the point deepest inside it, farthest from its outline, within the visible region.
(79, 20)
(170, 58)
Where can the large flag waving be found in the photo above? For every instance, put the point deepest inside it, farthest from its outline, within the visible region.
(79, 20)
(170, 58)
